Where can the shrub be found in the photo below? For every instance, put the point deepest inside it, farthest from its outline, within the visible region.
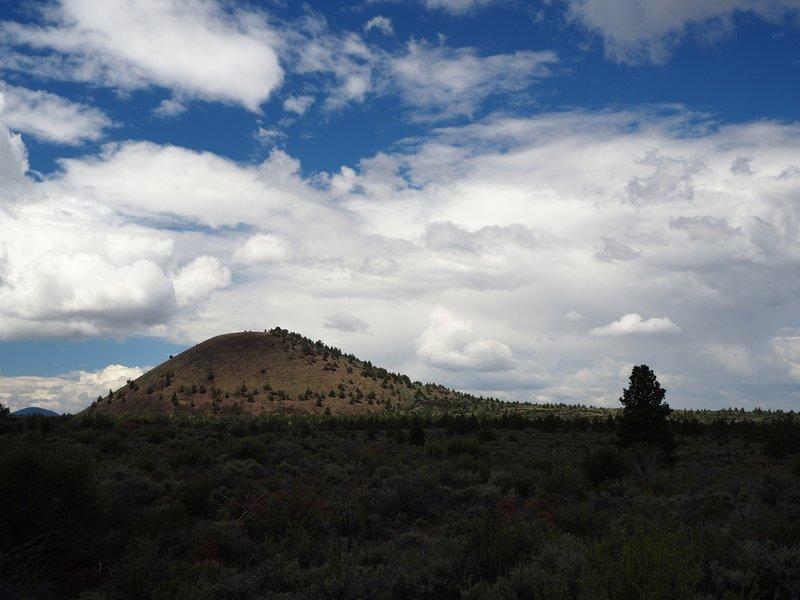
(416, 434)
(564, 479)
(646, 559)
(44, 491)
(604, 464)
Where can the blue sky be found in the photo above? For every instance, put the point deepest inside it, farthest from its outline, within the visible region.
(518, 199)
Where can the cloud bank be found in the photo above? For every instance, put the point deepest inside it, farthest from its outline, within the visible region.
(69, 393)
(496, 256)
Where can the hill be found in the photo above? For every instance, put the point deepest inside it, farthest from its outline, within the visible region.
(274, 371)
(33, 410)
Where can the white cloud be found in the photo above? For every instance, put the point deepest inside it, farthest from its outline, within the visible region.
(260, 248)
(443, 82)
(434, 81)
(170, 107)
(200, 278)
(68, 393)
(634, 324)
(183, 187)
(50, 117)
(381, 23)
(634, 31)
(447, 343)
(195, 48)
(13, 156)
(298, 104)
(344, 62)
(84, 293)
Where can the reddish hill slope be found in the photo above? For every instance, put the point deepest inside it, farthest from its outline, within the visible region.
(270, 372)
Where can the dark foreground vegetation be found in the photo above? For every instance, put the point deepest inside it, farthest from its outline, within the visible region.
(390, 506)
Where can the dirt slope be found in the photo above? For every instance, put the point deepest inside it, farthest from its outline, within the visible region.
(267, 372)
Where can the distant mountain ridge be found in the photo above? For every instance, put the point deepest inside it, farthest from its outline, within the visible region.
(274, 371)
(33, 410)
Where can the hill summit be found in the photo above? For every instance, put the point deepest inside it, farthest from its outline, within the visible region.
(274, 371)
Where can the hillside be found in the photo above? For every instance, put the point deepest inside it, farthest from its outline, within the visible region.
(274, 371)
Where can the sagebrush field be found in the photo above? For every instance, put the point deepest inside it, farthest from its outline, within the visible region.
(397, 506)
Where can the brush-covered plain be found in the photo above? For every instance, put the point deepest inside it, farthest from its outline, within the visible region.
(501, 505)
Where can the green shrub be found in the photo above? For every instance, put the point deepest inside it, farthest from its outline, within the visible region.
(656, 560)
(44, 491)
(564, 478)
(604, 464)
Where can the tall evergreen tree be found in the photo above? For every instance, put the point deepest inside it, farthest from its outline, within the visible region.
(645, 414)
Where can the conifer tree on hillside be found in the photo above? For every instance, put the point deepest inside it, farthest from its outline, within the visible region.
(644, 416)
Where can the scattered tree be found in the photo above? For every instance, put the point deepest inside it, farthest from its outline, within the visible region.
(644, 416)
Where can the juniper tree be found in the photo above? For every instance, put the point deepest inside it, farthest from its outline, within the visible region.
(644, 414)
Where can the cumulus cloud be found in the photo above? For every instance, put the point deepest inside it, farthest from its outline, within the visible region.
(260, 248)
(447, 343)
(633, 323)
(50, 117)
(84, 292)
(443, 82)
(197, 49)
(635, 31)
(183, 187)
(170, 107)
(69, 393)
(344, 62)
(298, 104)
(671, 179)
(200, 278)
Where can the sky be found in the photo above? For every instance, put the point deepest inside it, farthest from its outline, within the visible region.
(517, 199)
